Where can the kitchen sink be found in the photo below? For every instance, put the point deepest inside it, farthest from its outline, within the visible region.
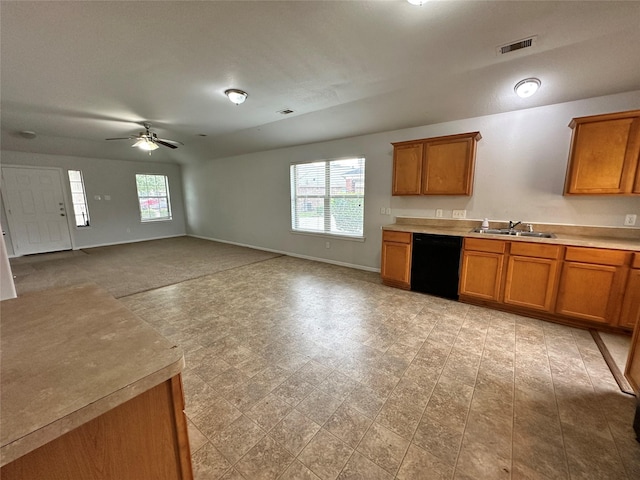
(514, 233)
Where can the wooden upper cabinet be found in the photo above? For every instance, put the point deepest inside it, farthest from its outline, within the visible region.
(435, 166)
(407, 168)
(604, 156)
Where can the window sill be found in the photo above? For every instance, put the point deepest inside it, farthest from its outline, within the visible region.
(155, 220)
(329, 235)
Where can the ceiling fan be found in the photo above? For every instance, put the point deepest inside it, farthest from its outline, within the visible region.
(149, 141)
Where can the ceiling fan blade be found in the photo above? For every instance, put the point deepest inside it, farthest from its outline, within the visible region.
(121, 138)
(165, 144)
(170, 141)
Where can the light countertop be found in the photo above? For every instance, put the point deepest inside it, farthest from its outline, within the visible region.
(570, 235)
(69, 355)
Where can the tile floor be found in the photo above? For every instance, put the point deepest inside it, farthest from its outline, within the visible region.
(302, 370)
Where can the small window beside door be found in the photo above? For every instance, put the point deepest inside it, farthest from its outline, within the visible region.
(153, 197)
(79, 198)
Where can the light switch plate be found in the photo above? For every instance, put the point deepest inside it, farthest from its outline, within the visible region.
(459, 214)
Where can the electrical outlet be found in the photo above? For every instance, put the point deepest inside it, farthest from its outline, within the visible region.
(382, 210)
(459, 214)
(388, 211)
(438, 213)
(630, 220)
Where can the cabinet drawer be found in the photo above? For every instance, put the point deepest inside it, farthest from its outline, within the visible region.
(398, 237)
(482, 245)
(538, 250)
(598, 256)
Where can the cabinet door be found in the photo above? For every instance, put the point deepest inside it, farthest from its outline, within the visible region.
(631, 303)
(407, 169)
(590, 292)
(448, 167)
(604, 156)
(481, 274)
(531, 282)
(632, 369)
(396, 264)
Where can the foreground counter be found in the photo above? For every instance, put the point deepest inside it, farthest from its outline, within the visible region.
(88, 390)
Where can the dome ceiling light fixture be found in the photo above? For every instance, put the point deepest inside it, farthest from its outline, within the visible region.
(236, 96)
(417, 3)
(28, 134)
(527, 87)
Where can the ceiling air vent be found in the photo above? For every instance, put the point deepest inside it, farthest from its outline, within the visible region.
(286, 111)
(519, 45)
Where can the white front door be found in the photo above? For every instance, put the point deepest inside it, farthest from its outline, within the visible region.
(35, 208)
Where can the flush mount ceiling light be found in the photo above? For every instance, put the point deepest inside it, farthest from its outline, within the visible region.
(28, 134)
(416, 2)
(236, 96)
(527, 87)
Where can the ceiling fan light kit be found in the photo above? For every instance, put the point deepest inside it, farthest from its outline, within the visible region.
(149, 141)
(145, 144)
(236, 96)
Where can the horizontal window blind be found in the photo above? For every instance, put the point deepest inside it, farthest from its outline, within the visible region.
(153, 197)
(328, 197)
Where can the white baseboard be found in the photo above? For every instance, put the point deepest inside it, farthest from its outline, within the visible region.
(290, 254)
(131, 241)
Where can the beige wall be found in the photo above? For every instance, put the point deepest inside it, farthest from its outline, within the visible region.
(520, 169)
(116, 220)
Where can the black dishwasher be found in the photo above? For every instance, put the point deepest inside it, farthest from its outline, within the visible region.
(435, 264)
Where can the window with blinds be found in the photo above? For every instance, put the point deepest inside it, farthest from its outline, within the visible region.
(153, 197)
(328, 197)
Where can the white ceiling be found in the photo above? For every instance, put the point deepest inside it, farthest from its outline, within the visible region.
(77, 72)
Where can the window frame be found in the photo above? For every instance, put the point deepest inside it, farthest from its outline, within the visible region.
(85, 204)
(327, 197)
(142, 197)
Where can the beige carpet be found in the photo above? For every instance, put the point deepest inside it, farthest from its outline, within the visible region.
(134, 267)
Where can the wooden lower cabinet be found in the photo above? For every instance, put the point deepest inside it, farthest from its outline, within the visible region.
(632, 370)
(145, 438)
(482, 267)
(395, 268)
(532, 276)
(631, 302)
(575, 285)
(592, 284)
